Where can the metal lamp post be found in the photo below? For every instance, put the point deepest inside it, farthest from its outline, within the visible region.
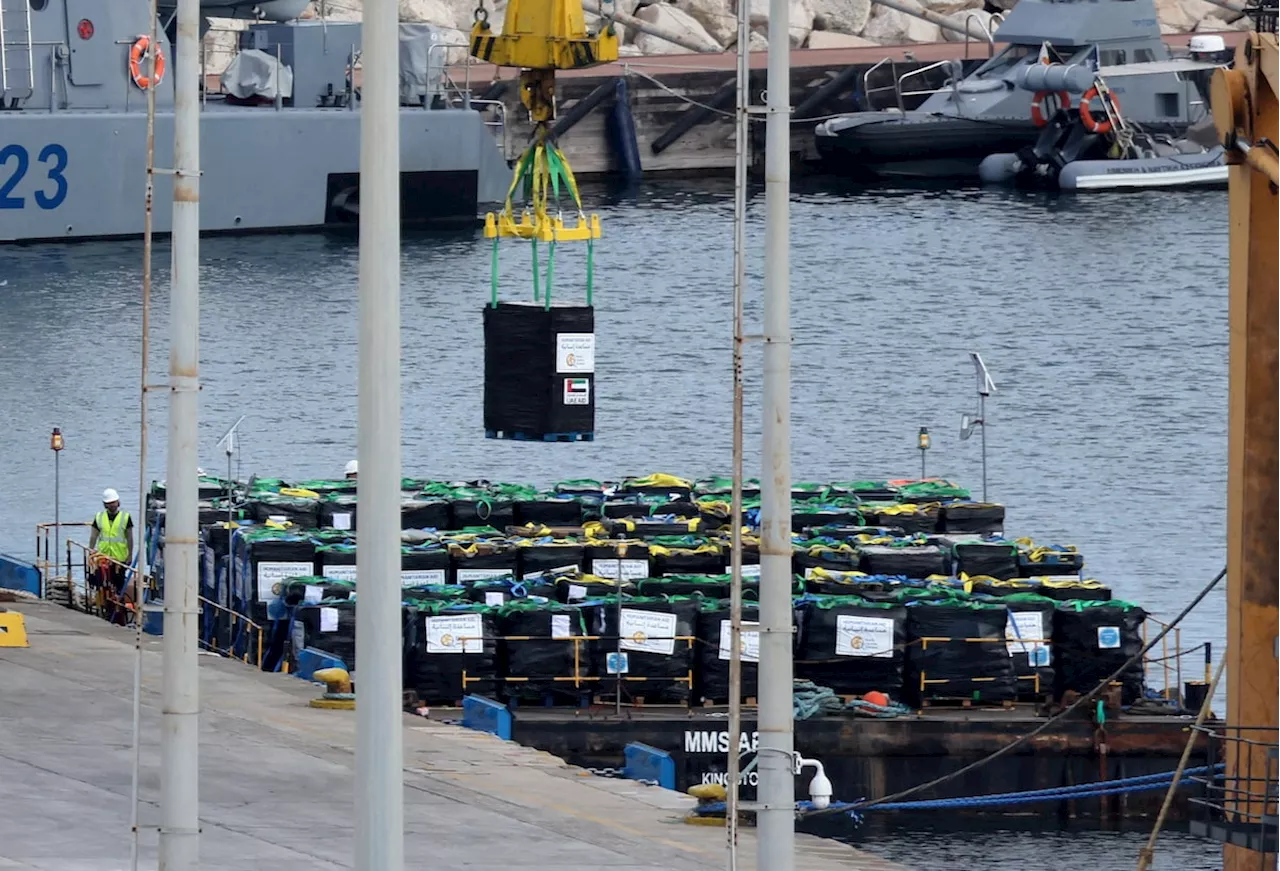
(924, 444)
(56, 443)
(967, 422)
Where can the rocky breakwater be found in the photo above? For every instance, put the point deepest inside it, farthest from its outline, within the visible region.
(711, 25)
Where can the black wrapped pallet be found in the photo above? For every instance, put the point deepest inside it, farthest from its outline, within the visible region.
(272, 561)
(539, 660)
(850, 645)
(539, 372)
(1091, 640)
(313, 591)
(538, 557)
(959, 667)
(338, 511)
(606, 558)
(577, 588)
(715, 645)
(337, 562)
(482, 511)
(302, 512)
(702, 559)
(910, 561)
(480, 561)
(911, 518)
(424, 566)
(452, 642)
(552, 509)
(329, 627)
(832, 559)
(1029, 633)
(1066, 589)
(654, 633)
(993, 559)
(424, 512)
(502, 591)
(980, 517)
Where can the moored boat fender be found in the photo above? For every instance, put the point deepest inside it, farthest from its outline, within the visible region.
(137, 54)
(999, 168)
(1182, 170)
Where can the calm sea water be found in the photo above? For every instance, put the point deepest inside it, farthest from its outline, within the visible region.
(1101, 317)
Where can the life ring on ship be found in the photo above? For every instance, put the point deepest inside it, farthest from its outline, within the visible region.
(136, 56)
(1092, 124)
(1039, 116)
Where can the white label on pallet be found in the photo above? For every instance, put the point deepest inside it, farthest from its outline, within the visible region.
(272, 573)
(577, 592)
(314, 593)
(340, 573)
(577, 391)
(575, 352)
(342, 521)
(632, 569)
(560, 626)
(328, 619)
(750, 641)
(421, 577)
(1024, 632)
(557, 570)
(458, 633)
(864, 636)
(1108, 637)
(492, 598)
(468, 575)
(648, 631)
(751, 571)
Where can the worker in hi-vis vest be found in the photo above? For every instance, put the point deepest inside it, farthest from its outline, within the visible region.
(111, 536)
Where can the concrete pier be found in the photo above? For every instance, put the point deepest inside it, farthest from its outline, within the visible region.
(276, 778)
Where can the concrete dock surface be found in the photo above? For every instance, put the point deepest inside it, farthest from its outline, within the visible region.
(277, 778)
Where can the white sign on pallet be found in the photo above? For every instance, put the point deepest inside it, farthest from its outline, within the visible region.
(648, 631)
(457, 633)
(864, 636)
(272, 573)
(575, 352)
(750, 641)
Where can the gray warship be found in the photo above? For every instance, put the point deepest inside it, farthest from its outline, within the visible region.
(988, 111)
(281, 151)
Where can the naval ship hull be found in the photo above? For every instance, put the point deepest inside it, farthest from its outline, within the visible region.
(82, 175)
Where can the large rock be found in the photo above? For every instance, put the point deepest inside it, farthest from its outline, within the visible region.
(221, 43)
(717, 17)
(678, 23)
(1003, 5)
(830, 39)
(974, 21)
(1182, 16)
(1220, 25)
(841, 16)
(799, 14)
(891, 27)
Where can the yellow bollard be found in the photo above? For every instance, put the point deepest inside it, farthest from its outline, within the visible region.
(340, 695)
(13, 629)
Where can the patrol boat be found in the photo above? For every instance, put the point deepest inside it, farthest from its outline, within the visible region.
(281, 151)
(987, 112)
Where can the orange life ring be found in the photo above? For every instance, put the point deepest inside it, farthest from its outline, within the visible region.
(1086, 117)
(1038, 116)
(136, 72)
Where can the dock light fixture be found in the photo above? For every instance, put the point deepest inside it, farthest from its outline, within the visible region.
(820, 789)
(967, 422)
(924, 444)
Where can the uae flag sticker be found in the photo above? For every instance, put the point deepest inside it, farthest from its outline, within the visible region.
(577, 391)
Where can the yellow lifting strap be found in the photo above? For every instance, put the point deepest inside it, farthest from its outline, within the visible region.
(542, 168)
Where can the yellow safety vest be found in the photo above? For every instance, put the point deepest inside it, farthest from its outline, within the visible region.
(112, 535)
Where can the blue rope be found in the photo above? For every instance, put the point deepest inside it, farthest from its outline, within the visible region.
(1140, 783)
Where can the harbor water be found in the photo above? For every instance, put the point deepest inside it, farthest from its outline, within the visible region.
(1102, 319)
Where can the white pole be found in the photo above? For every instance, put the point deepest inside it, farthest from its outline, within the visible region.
(379, 736)
(776, 795)
(180, 742)
(732, 767)
(140, 522)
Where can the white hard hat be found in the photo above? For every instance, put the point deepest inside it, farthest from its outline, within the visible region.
(109, 496)
(353, 468)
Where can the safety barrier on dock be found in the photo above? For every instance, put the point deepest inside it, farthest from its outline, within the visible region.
(1240, 808)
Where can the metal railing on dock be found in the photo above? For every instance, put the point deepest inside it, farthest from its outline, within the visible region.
(1240, 806)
